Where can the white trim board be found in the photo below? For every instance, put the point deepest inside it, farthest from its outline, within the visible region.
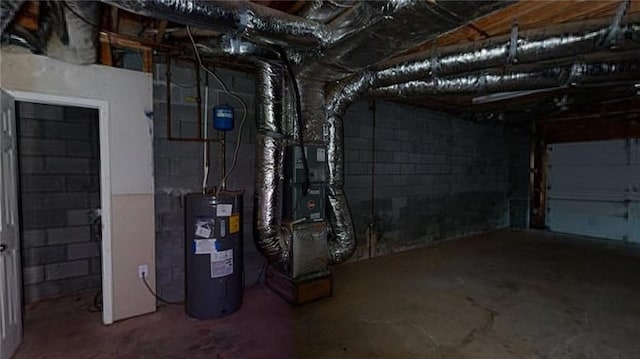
(105, 183)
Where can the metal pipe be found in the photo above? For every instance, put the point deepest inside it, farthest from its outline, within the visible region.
(168, 114)
(223, 154)
(205, 145)
(167, 75)
(198, 100)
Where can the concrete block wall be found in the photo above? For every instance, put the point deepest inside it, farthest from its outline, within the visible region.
(179, 166)
(520, 148)
(59, 188)
(435, 177)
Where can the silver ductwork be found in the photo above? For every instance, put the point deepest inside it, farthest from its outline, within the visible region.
(312, 95)
(270, 237)
(378, 30)
(67, 30)
(77, 41)
(325, 10)
(491, 53)
(342, 239)
(8, 9)
(257, 23)
(507, 81)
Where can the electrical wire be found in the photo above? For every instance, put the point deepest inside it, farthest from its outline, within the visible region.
(223, 181)
(264, 266)
(159, 298)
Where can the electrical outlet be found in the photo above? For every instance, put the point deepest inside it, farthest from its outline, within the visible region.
(143, 271)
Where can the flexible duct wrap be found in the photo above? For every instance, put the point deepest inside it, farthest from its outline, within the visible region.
(259, 23)
(271, 238)
(342, 240)
(476, 57)
(325, 10)
(312, 95)
(382, 29)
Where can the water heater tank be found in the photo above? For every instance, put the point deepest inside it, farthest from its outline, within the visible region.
(214, 268)
(223, 118)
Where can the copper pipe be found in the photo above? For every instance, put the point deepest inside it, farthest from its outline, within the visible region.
(198, 99)
(167, 59)
(168, 116)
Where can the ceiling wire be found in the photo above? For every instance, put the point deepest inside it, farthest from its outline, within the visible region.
(223, 181)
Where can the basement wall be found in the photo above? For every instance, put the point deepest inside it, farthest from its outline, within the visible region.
(179, 167)
(435, 177)
(59, 188)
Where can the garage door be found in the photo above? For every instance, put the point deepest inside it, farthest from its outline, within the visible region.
(594, 189)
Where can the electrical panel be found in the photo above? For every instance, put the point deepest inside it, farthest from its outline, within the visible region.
(299, 206)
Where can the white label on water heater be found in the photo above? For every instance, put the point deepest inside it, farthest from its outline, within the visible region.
(320, 155)
(205, 246)
(223, 210)
(221, 263)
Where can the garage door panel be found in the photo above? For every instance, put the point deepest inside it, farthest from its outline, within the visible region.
(594, 189)
(607, 178)
(606, 208)
(590, 153)
(635, 152)
(599, 219)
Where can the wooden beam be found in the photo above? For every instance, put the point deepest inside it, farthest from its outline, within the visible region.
(106, 57)
(426, 51)
(162, 27)
(114, 19)
(28, 16)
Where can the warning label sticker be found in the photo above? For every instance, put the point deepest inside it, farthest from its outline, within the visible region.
(204, 227)
(204, 246)
(234, 223)
(223, 210)
(221, 263)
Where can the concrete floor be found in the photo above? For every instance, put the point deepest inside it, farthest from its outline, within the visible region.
(64, 328)
(508, 294)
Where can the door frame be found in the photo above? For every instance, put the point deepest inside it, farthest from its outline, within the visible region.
(105, 181)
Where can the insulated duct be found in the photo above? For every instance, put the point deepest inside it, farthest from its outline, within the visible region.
(66, 31)
(511, 80)
(325, 10)
(270, 237)
(259, 23)
(75, 39)
(8, 10)
(377, 30)
(312, 95)
(342, 239)
(485, 55)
